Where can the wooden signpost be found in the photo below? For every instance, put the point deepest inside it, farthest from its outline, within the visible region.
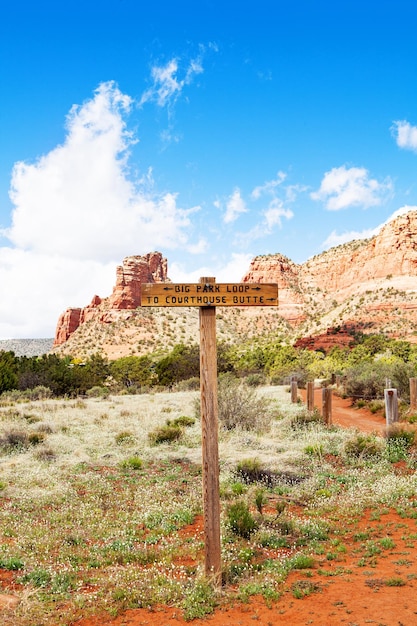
(207, 294)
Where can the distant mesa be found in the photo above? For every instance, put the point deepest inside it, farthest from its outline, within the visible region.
(365, 284)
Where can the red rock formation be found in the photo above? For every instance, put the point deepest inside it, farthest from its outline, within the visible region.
(150, 268)
(67, 323)
(371, 284)
(345, 269)
(136, 270)
(276, 268)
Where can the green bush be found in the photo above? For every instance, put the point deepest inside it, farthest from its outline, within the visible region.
(183, 421)
(98, 392)
(165, 434)
(363, 447)
(251, 471)
(133, 463)
(255, 380)
(191, 384)
(261, 499)
(240, 520)
(306, 418)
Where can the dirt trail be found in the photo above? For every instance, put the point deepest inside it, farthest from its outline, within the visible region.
(347, 416)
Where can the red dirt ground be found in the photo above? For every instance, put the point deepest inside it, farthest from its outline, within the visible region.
(351, 589)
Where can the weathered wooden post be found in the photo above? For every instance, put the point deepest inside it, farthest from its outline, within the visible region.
(294, 390)
(310, 395)
(209, 443)
(327, 405)
(207, 294)
(391, 406)
(413, 394)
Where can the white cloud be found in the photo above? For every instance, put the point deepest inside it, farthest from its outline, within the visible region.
(335, 239)
(269, 187)
(39, 287)
(405, 135)
(274, 213)
(78, 202)
(167, 85)
(235, 206)
(344, 187)
(233, 271)
(76, 215)
(200, 247)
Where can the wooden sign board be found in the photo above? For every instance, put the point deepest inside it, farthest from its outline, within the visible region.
(209, 294)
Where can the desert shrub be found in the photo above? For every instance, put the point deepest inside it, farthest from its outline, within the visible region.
(272, 540)
(45, 454)
(402, 432)
(133, 462)
(255, 380)
(363, 446)
(367, 380)
(241, 407)
(306, 418)
(199, 600)
(36, 438)
(98, 392)
(124, 437)
(376, 406)
(251, 471)
(45, 428)
(261, 499)
(400, 438)
(183, 421)
(11, 563)
(191, 384)
(240, 520)
(301, 561)
(14, 440)
(165, 434)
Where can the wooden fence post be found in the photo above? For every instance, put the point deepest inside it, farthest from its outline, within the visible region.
(327, 405)
(310, 395)
(391, 406)
(294, 391)
(413, 394)
(210, 446)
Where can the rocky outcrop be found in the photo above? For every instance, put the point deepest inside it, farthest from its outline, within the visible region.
(276, 268)
(369, 285)
(151, 268)
(135, 270)
(346, 269)
(68, 322)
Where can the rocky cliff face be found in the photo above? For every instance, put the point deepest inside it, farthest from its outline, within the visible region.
(150, 268)
(366, 284)
(344, 270)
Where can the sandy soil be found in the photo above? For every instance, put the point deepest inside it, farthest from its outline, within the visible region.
(345, 415)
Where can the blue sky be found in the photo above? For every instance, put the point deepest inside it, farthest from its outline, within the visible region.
(210, 131)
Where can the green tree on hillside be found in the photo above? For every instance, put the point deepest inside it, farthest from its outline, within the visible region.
(8, 371)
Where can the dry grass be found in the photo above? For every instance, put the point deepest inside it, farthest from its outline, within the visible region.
(90, 515)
